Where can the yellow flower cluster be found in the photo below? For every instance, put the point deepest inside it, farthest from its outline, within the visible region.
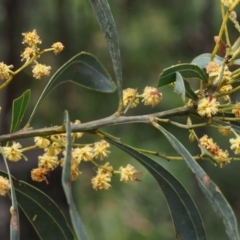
(235, 144)
(150, 97)
(4, 186)
(220, 155)
(229, 3)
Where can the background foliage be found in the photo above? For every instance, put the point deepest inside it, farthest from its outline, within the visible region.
(152, 35)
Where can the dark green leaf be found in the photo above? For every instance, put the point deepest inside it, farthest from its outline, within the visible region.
(189, 92)
(14, 223)
(185, 69)
(106, 22)
(186, 218)
(84, 70)
(209, 188)
(42, 212)
(66, 183)
(18, 110)
(203, 60)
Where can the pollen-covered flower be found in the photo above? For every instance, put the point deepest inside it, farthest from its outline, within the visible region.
(39, 174)
(224, 131)
(100, 149)
(47, 162)
(5, 71)
(236, 111)
(31, 38)
(213, 69)
(235, 144)
(207, 107)
(41, 142)
(128, 173)
(57, 47)
(13, 153)
(59, 138)
(84, 153)
(101, 181)
(228, 3)
(151, 96)
(4, 186)
(40, 70)
(28, 54)
(54, 149)
(105, 169)
(128, 94)
(225, 89)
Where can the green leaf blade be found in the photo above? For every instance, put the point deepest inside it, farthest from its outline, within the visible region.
(18, 110)
(66, 183)
(209, 188)
(42, 212)
(186, 218)
(185, 69)
(179, 87)
(83, 70)
(203, 60)
(107, 24)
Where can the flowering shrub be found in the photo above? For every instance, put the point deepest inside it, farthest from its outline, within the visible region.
(64, 147)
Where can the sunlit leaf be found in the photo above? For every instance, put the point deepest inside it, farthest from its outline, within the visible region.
(186, 218)
(208, 187)
(42, 212)
(14, 222)
(203, 60)
(185, 69)
(179, 86)
(106, 22)
(18, 110)
(66, 183)
(84, 70)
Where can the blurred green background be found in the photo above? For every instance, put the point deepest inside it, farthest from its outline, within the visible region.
(153, 35)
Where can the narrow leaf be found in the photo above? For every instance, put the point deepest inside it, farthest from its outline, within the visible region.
(189, 92)
(106, 22)
(18, 110)
(185, 69)
(208, 187)
(42, 212)
(179, 87)
(84, 70)
(14, 223)
(186, 218)
(203, 60)
(66, 183)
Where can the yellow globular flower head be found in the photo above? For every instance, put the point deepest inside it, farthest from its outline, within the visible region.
(47, 162)
(39, 174)
(236, 111)
(213, 69)
(13, 153)
(225, 89)
(128, 173)
(224, 131)
(207, 107)
(4, 186)
(5, 71)
(235, 144)
(54, 149)
(85, 153)
(128, 94)
(101, 181)
(229, 3)
(28, 54)
(151, 96)
(41, 142)
(59, 138)
(106, 169)
(31, 38)
(40, 70)
(100, 149)
(57, 47)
